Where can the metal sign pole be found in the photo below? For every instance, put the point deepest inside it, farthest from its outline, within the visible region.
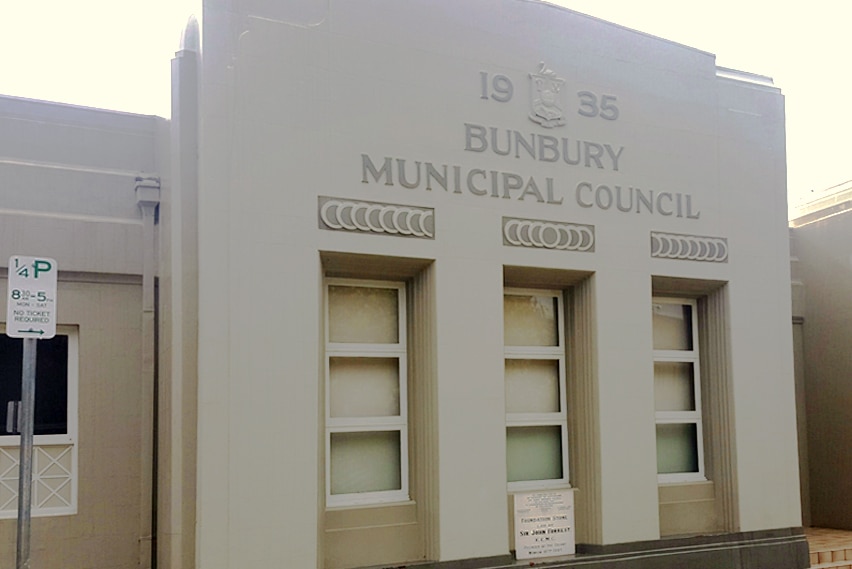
(25, 476)
(31, 316)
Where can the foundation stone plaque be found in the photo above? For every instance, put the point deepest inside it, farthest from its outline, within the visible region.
(544, 524)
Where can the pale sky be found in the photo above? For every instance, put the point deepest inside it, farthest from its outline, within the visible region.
(115, 54)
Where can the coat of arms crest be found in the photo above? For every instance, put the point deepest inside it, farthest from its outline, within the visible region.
(546, 97)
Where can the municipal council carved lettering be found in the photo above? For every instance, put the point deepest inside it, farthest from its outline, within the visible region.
(536, 233)
(380, 218)
(689, 247)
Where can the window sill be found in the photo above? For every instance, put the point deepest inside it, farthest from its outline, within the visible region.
(44, 440)
(368, 505)
(538, 486)
(671, 479)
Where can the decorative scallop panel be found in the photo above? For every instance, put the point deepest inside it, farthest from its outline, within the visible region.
(371, 217)
(689, 247)
(536, 233)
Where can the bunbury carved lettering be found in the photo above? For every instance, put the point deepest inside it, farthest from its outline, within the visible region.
(542, 147)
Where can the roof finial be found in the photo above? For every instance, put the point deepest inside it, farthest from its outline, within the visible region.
(189, 39)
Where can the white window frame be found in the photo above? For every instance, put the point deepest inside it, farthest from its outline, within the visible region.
(368, 424)
(557, 419)
(693, 417)
(10, 444)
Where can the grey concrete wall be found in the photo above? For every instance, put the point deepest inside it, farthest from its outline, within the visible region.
(824, 253)
(68, 183)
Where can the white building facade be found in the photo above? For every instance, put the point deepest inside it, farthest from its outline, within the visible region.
(394, 265)
(449, 253)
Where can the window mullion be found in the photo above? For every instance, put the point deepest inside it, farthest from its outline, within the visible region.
(365, 349)
(676, 356)
(533, 352)
(678, 416)
(365, 423)
(535, 418)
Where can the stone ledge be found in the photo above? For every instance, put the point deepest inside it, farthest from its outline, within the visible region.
(784, 548)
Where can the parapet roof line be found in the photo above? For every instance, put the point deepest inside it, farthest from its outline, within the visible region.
(745, 76)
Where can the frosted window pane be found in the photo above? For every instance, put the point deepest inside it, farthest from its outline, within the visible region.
(532, 386)
(534, 453)
(530, 321)
(674, 388)
(364, 387)
(672, 326)
(677, 448)
(363, 315)
(365, 462)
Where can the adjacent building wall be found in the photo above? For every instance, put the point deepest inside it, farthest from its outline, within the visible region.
(69, 192)
(822, 234)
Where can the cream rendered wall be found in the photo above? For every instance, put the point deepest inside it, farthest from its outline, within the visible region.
(177, 329)
(471, 405)
(625, 380)
(293, 95)
(258, 380)
(752, 171)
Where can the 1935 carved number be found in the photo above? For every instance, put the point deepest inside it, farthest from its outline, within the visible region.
(500, 88)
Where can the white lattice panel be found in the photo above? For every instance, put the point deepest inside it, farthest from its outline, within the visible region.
(53, 480)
